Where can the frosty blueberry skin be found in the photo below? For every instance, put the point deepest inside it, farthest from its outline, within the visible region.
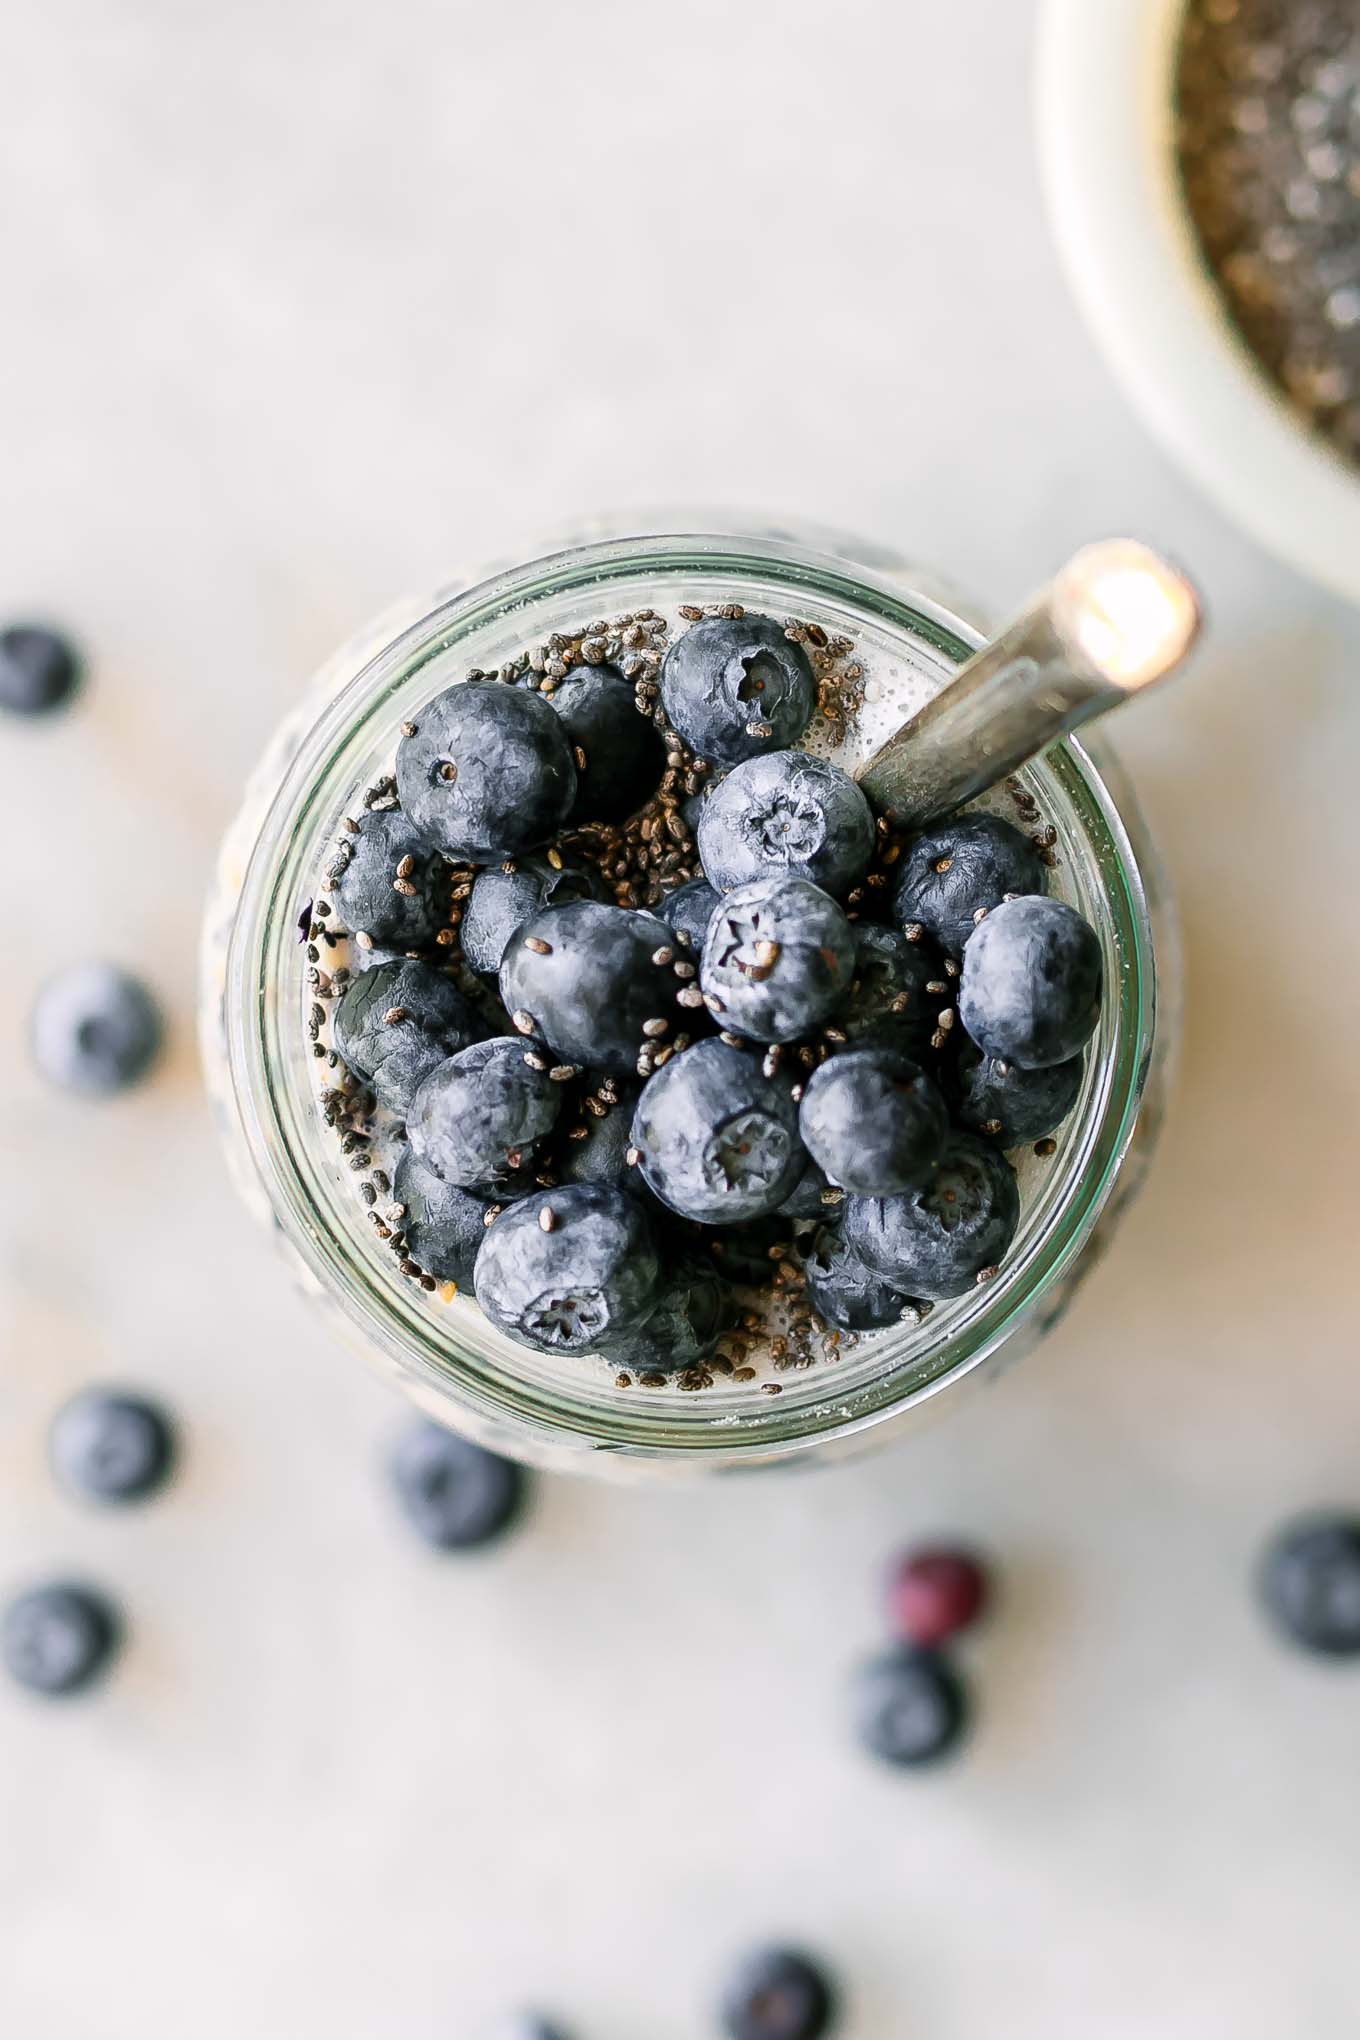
(481, 1114)
(444, 1225)
(500, 901)
(788, 813)
(487, 772)
(935, 1242)
(570, 1270)
(717, 1140)
(960, 869)
(396, 1023)
(1031, 984)
(874, 1121)
(584, 979)
(1010, 1105)
(391, 884)
(735, 687)
(845, 1291)
(778, 959)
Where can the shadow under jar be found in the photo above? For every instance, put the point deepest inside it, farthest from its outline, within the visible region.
(567, 1411)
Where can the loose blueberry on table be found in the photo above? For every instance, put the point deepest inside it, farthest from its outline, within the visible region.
(1310, 1583)
(95, 1030)
(911, 1708)
(112, 1448)
(455, 1495)
(59, 1638)
(639, 1028)
(39, 669)
(778, 1994)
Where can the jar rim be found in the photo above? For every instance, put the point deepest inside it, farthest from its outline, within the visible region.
(437, 1365)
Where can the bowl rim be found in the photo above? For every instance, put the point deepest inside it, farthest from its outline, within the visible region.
(1106, 147)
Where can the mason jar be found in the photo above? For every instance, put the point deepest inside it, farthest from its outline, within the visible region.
(564, 1411)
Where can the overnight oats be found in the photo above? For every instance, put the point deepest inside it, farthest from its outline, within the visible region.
(614, 1069)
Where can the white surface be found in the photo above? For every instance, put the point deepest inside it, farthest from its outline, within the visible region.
(1105, 129)
(302, 304)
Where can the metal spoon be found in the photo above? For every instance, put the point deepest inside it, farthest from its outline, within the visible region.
(1115, 620)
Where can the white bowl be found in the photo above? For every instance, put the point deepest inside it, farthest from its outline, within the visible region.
(1107, 153)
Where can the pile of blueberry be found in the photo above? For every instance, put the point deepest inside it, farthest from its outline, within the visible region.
(658, 1013)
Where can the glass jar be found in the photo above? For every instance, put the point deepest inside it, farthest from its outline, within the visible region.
(560, 1410)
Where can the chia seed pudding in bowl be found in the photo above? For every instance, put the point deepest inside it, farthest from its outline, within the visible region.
(612, 1170)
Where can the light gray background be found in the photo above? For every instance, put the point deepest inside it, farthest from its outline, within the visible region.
(306, 302)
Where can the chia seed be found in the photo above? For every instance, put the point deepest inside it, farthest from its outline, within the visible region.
(1268, 134)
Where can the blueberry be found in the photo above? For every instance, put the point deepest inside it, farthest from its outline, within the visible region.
(693, 1313)
(733, 688)
(602, 1155)
(397, 1023)
(585, 977)
(808, 1198)
(501, 900)
(455, 1494)
(58, 1638)
(874, 1121)
(39, 670)
(936, 1592)
(1310, 1581)
(112, 1448)
(846, 1293)
(778, 957)
(95, 1030)
(688, 910)
(745, 1255)
(488, 773)
(1011, 1105)
(392, 885)
(571, 1270)
(717, 1140)
(444, 1225)
(888, 1002)
(1030, 989)
(936, 1242)
(961, 869)
(624, 755)
(481, 1114)
(777, 1994)
(910, 1707)
(789, 812)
